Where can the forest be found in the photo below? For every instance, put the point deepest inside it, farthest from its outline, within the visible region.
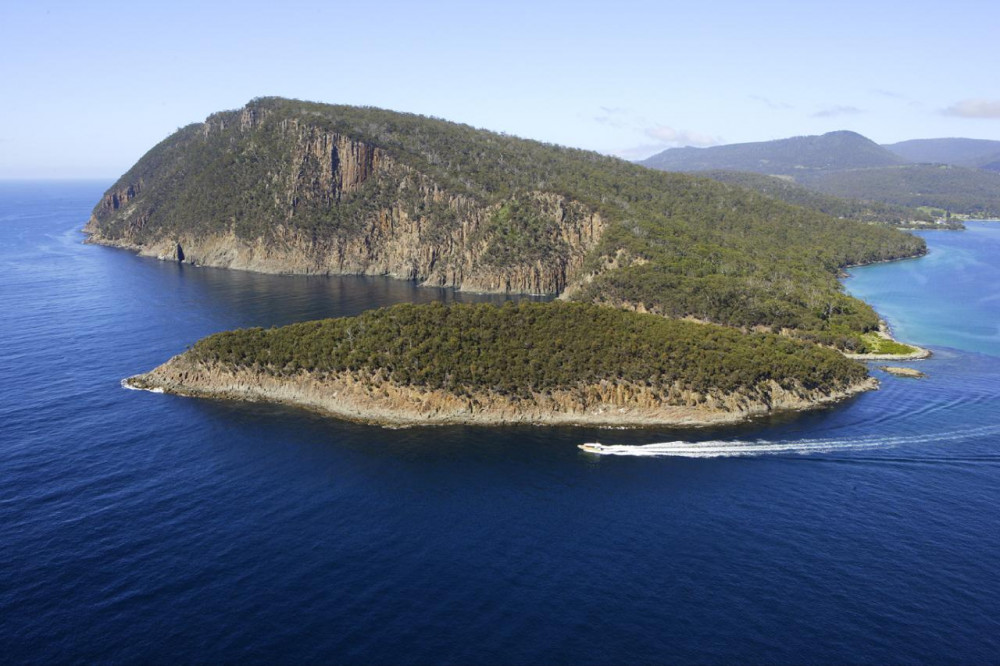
(675, 244)
(789, 191)
(971, 192)
(518, 350)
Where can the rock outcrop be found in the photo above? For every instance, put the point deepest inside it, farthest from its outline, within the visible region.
(373, 399)
(393, 243)
(285, 186)
(322, 202)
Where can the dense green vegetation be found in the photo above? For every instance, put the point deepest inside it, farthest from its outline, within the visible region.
(676, 244)
(759, 264)
(532, 347)
(791, 192)
(517, 233)
(876, 344)
(794, 156)
(973, 192)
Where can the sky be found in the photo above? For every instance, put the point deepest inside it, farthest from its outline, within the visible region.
(86, 88)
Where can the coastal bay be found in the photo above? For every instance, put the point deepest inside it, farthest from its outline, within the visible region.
(290, 186)
(504, 334)
(207, 530)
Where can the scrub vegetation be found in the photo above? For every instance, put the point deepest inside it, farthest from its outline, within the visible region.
(518, 350)
(675, 244)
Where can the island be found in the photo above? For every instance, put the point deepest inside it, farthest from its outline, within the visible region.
(286, 186)
(530, 363)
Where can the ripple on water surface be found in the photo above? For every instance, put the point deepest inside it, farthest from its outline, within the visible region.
(139, 526)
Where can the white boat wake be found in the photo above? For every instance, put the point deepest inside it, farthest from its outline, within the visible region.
(734, 448)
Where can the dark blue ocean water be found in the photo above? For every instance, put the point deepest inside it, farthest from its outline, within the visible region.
(143, 527)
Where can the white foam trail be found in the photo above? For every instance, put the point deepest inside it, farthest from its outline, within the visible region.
(733, 448)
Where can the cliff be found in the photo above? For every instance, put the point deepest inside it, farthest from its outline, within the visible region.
(531, 363)
(376, 399)
(284, 186)
(332, 204)
(396, 243)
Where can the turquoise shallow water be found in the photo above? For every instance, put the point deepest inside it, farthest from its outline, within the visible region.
(949, 298)
(152, 528)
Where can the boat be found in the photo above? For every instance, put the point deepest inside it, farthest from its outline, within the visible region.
(592, 447)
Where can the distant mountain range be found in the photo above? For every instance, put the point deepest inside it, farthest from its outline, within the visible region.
(959, 176)
(974, 153)
(830, 152)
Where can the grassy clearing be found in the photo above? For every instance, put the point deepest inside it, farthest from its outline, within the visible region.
(876, 344)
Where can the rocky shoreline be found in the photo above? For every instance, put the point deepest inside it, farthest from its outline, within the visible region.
(902, 372)
(392, 243)
(372, 400)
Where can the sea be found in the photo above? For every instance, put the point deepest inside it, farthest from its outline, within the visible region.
(137, 527)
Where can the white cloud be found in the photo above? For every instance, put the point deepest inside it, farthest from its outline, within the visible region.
(839, 110)
(974, 108)
(662, 136)
(771, 104)
(676, 137)
(638, 152)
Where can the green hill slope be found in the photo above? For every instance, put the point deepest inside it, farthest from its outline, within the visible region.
(289, 186)
(799, 195)
(534, 362)
(527, 348)
(974, 192)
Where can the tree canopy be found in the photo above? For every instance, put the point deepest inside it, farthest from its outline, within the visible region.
(516, 350)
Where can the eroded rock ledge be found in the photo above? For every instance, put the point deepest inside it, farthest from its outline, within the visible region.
(373, 399)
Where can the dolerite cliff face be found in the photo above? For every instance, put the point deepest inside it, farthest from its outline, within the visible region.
(554, 362)
(372, 398)
(272, 188)
(284, 186)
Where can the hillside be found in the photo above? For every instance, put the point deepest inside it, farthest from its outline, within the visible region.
(538, 363)
(974, 192)
(831, 151)
(973, 153)
(848, 165)
(289, 186)
(991, 163)
(854, 209)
